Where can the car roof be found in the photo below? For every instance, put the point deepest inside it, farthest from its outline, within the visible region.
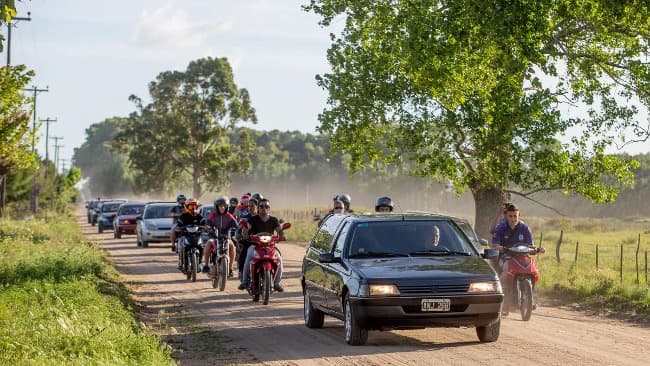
(404, 216)
(133, 203)
(160, 203)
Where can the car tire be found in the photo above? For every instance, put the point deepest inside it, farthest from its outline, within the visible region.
(118, 235)
(490, 332)
(354, 334)
(314, 318)
(145, 244)
(100, 229)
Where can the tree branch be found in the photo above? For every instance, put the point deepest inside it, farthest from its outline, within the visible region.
(524, 195)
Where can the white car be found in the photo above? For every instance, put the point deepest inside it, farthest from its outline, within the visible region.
(155, 224)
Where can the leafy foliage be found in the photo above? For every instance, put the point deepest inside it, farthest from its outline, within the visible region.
(474, 91)
(183, 134)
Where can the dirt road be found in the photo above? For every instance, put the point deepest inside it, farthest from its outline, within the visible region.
(198, 321)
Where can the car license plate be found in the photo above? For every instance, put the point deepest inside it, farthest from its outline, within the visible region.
(435, 304)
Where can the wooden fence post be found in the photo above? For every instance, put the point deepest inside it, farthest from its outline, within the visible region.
(621, 270)
(557, 246)
(576, 257)
(646, 267)
(596, 256)
(638, 246)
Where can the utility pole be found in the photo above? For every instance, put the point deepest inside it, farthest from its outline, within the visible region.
(63, 161)
(47, 136)
(3, 182)
(56, 155)
(34, 193)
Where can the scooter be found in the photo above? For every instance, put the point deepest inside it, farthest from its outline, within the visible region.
(519, 276)
(264, 265)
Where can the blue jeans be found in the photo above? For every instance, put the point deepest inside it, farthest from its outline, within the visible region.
(247, 267)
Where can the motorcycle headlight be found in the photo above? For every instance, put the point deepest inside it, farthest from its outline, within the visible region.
(490, 286)
(151, 226)
(265, 239)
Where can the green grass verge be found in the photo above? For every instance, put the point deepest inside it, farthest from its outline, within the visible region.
(61, 302)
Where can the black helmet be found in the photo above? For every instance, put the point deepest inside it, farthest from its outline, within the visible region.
(180, 197)
(384, 202)
(234, 201)
(345, 198)
(221, 200)
(257, 196)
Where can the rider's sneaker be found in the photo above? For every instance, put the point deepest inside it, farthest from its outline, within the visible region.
(278, 288)
(230, 274)
(204, 268)
(505, 313)
(174, 248)
(179, 266)
(239, 275)
(534, 306)
(242, 286)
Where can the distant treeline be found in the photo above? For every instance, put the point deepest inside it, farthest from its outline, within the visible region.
(300, 170)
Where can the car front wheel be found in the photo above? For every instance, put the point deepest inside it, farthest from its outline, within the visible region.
(314, 318)
(490, 332)
(354, 334)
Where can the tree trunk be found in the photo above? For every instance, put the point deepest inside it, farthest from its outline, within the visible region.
(196, 173)
(487, 203)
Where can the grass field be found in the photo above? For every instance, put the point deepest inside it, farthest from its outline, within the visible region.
(61, 303)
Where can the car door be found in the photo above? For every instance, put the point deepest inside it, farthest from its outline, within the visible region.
(337, 273)
(313, 270)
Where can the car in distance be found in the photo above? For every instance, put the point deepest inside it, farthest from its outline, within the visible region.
(106, 213)
(206, 210)
(386, 271)
(155, 224)
(89, 209)
(125, 221)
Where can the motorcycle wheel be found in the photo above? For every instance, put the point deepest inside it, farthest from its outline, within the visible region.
(223, 273)
(266, 287)
(194, 265)
(525, 298)
(257, 286)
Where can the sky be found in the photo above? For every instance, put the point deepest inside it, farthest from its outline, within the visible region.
(92, 55)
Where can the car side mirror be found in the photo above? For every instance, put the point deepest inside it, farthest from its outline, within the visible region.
(138, 218)
(490, 253)
(483, 242)
(328, 258)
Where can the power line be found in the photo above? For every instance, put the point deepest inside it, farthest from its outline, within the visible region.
(47, 135)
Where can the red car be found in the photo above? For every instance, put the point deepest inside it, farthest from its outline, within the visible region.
(125, 221)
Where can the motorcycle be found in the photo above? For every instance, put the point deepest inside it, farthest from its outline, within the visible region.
(189, 240)
(264, 265)
(519, 276)
(220, 261)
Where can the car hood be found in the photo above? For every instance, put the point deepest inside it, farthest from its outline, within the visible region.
(414, 269)
(167, 221)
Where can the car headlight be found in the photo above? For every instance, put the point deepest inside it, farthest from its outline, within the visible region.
(490, 286)
(383, 290)
(151, 226)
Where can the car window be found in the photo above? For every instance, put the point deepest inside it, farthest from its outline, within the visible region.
(340, 240)
(110, 207)
(158, 212)
(131, 210)
(406, 237)
(467, 229)
(325, 235)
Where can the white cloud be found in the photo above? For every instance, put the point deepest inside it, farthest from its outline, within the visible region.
(169, 27)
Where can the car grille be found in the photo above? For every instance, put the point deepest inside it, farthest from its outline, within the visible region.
(164, 228)
(433, 289)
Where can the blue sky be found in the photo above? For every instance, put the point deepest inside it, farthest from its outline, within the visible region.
(94, 54)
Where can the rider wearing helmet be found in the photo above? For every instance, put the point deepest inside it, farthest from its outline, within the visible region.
(177, 211)
(345, 198)
(243, 205)
(232, 206)
(222, 220)
(257, 196)
(190, 217)
(384, 204)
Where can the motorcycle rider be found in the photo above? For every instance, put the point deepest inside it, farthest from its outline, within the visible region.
(345, 198)
(245, 244)
(177, 211)
(513, 233)
(243, 206)
(189, 217)
(222, 220)
(384, 204)
(234, 202)
(263, 222)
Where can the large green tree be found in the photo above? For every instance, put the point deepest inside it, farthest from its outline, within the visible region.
(182, 136)
(474, 91)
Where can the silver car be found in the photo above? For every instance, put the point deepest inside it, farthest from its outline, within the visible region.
(155, 224)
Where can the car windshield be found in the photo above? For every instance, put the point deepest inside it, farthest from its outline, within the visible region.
(206, 211)
(111, 207)
(158, 212)
(131, 210)
(408, 238)
(467, 229)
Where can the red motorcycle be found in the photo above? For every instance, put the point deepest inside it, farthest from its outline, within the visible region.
(519, 276)
(264, 264)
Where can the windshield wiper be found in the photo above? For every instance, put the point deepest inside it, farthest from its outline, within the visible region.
(440, 251)
(379, 254)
